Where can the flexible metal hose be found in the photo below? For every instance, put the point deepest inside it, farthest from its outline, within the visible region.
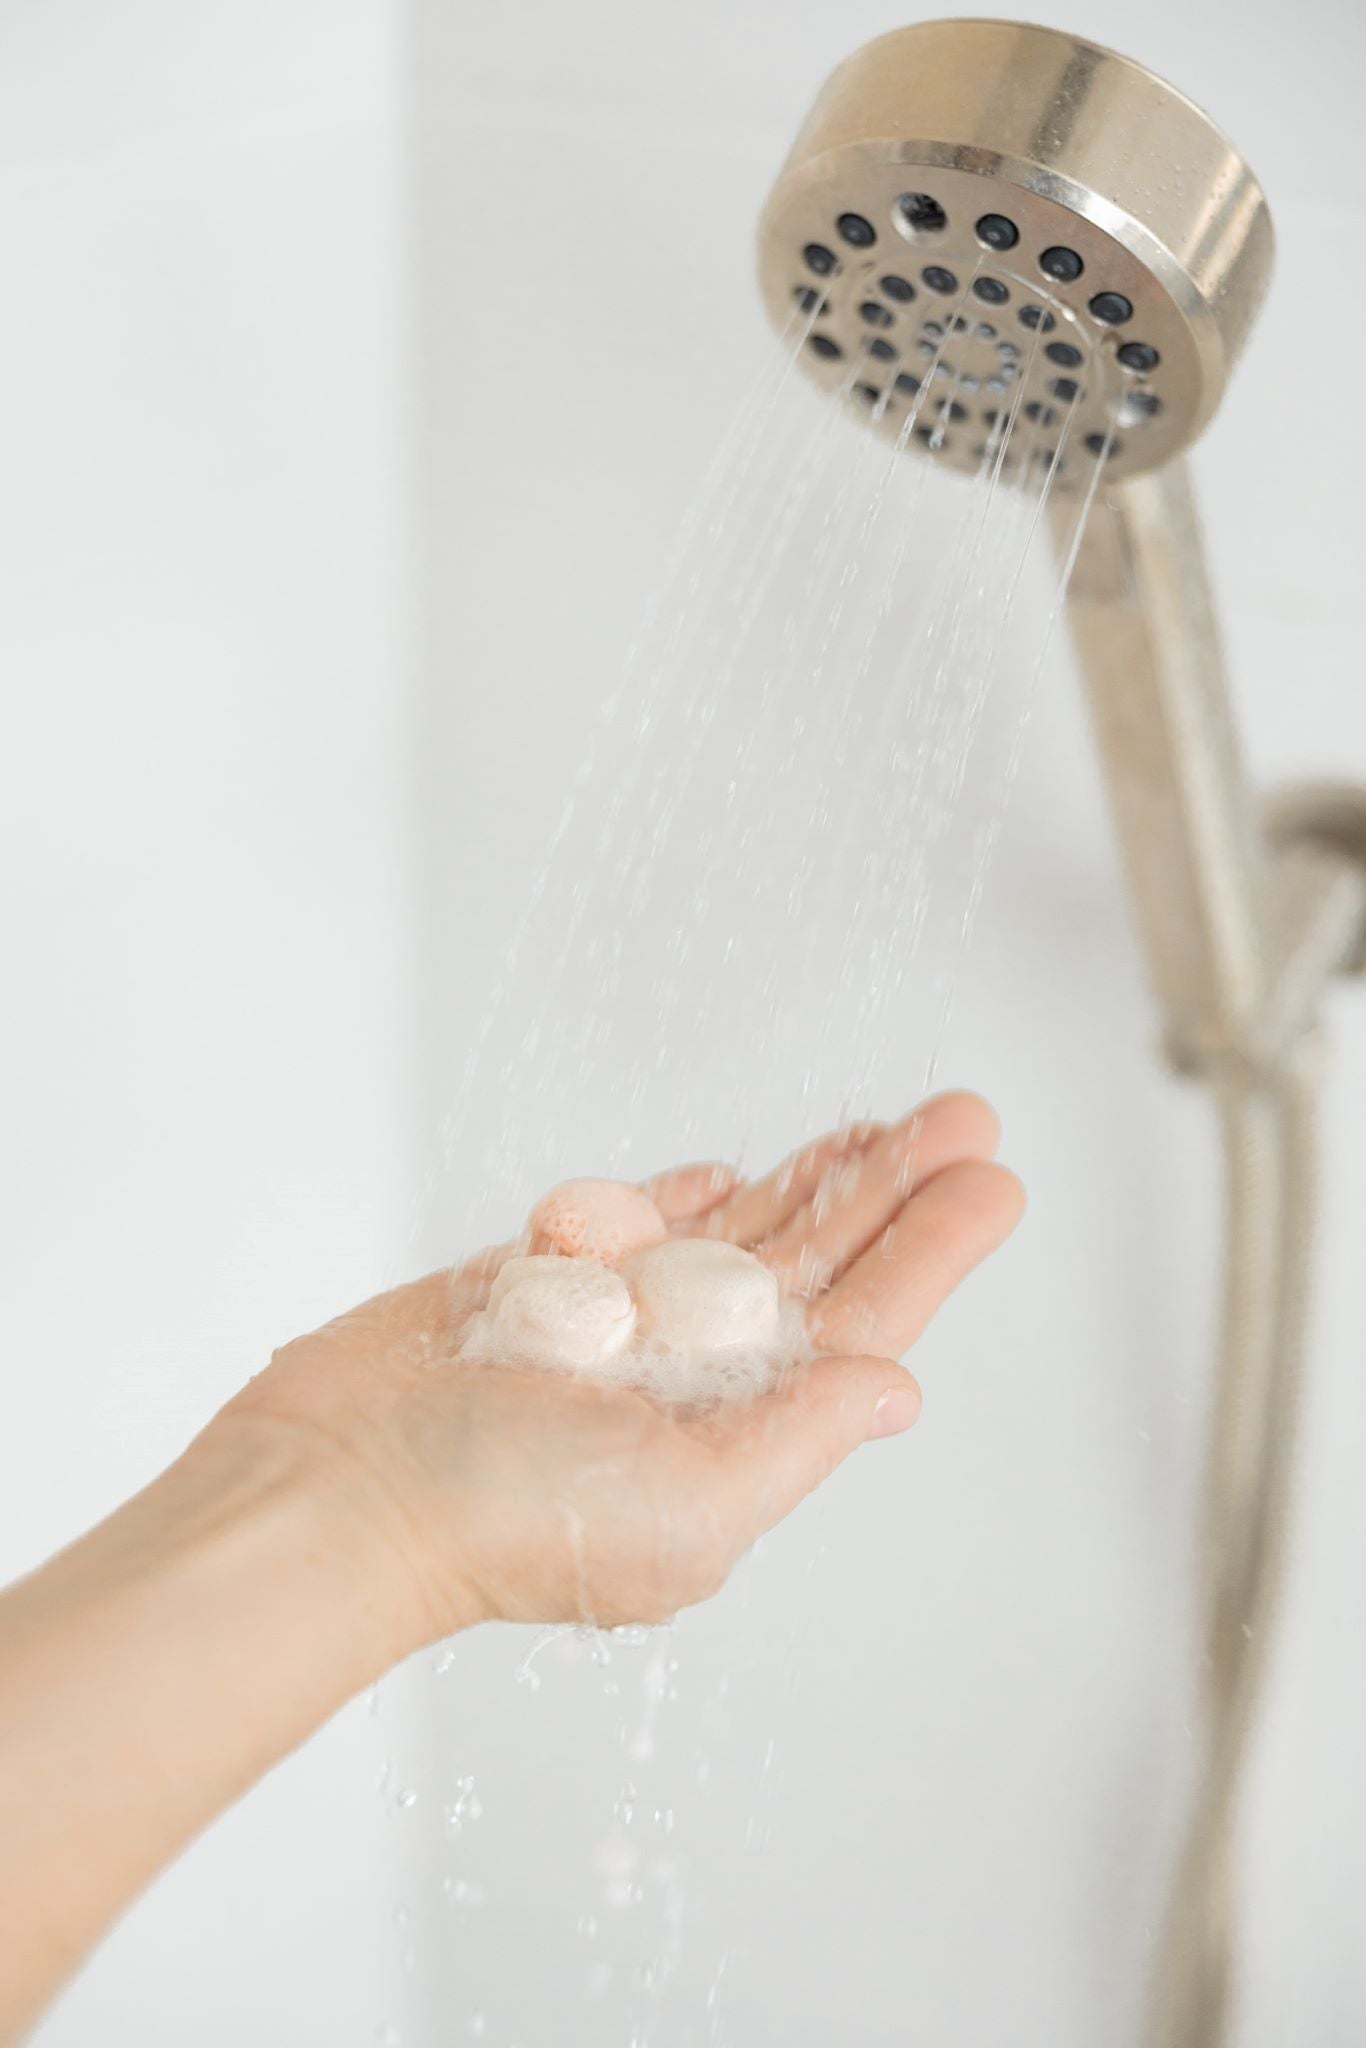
(1246, 914)
(1269, 1126)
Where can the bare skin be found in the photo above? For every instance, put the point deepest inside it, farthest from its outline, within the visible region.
(368, 1492)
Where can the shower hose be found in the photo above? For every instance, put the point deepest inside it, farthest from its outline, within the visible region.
(1268, 1112)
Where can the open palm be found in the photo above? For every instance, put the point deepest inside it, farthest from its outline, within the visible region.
(493, 1491)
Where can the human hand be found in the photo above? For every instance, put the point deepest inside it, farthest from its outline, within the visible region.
(485, 1491)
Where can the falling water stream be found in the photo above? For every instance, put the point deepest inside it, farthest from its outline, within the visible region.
(747, 925)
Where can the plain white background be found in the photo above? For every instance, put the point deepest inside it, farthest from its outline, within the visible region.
(358, 361)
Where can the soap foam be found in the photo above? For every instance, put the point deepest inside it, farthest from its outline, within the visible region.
(557, 1311)
(608, 1295)
(698, 1363)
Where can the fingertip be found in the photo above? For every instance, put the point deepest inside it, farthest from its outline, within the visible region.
(896, 1410)
(685, 1193)
(971, 1128)
(993, 1193)
(1014, 1192)
(864, 1397)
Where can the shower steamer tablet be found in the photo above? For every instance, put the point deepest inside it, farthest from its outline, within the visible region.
(548, 1310)
(711, 1319)
(596, 1219)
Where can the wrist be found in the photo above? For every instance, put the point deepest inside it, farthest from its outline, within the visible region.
(247, 1533)
(327, 1514)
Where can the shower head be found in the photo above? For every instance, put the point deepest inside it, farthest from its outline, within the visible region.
(985, 223)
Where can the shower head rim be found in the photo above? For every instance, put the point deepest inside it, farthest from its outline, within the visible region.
(1076, 144)
(1040, 183)
(1105, 50)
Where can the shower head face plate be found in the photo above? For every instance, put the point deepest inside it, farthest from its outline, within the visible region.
(985, 225)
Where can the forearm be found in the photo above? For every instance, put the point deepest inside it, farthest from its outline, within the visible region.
(372, 1490)
(153, 1671)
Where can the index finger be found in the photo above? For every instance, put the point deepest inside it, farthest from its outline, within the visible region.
(757, 1209)
(885, 1299)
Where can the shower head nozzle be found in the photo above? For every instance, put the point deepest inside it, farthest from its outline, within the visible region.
(1040, 229)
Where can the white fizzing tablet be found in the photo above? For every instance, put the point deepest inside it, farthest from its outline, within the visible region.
(557, 1311)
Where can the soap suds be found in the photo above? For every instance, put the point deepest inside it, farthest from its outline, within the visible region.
(689, 1320)
(547, 1309)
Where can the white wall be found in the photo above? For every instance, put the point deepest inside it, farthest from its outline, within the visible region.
(260, 864)
(206, 941)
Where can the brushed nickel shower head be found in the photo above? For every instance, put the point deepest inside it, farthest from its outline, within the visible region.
(1039, 227)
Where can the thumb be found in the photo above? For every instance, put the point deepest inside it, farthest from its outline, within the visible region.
(772, 1453)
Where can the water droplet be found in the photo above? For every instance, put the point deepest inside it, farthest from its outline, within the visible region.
(656, 1681)
(466, 1806)
(629, 1632)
